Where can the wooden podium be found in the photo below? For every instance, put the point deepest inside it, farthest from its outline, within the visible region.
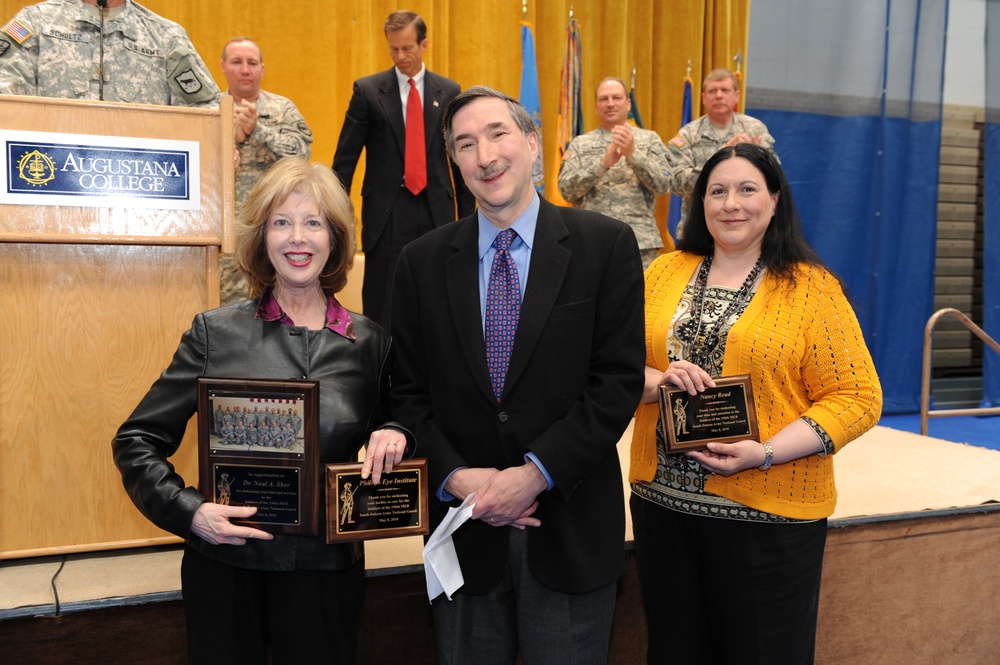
(94, 300)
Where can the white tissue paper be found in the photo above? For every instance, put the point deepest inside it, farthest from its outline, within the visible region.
(441, 567)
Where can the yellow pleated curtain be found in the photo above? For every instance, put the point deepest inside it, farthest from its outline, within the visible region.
(315, 49)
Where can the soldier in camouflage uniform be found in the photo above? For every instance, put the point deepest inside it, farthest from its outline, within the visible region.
(268, 127)
(617, 169)
(700, 139)
(52, 49)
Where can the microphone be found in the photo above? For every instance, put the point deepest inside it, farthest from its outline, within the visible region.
(102, 5)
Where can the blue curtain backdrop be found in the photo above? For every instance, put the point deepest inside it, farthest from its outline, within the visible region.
(852, 91)
(991, 204)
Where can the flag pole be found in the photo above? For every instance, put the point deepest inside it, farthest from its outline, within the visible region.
(530, 94)
(738, 59)
(674, 213)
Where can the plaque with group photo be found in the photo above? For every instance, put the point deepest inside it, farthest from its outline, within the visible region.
(724, 413)
(258, 445)
(357, 509)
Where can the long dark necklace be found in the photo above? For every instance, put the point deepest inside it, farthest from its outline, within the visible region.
(704, 343)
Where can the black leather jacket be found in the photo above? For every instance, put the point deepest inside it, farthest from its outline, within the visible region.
(231, 342)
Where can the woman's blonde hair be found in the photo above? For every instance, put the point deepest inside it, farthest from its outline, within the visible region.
(284, 177)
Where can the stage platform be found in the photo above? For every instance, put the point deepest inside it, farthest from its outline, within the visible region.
(909, 575)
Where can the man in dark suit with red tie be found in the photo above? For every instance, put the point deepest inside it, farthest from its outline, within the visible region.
(519, 362)
(395, 116)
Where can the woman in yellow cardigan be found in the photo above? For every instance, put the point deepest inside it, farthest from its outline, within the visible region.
(729, 540)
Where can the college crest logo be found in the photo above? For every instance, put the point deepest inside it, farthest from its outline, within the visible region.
(36, 168)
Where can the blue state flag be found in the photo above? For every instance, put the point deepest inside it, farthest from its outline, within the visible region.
(674, 216)
(531, 100)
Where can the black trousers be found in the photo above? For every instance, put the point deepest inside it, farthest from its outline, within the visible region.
(239, 616)
(719, 592)
(410, 218)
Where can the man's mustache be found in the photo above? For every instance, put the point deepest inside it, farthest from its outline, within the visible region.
(492, 171)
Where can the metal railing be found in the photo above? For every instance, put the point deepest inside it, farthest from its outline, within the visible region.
(925, 387)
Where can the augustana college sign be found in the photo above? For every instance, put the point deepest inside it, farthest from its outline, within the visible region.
(61, 169)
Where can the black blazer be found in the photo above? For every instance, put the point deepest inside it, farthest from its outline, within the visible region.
(574, 382)
(374, 122)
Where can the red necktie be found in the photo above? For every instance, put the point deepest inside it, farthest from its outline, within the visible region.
(416, 153)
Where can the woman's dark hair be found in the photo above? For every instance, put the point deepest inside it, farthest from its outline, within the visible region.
(784, 245)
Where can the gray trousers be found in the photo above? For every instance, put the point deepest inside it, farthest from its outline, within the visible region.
(547, 627)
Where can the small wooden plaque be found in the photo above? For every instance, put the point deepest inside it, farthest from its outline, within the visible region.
(725, 413)
(358, 510)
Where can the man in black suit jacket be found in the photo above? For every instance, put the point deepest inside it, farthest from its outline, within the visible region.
(391, 215)
(546, 536)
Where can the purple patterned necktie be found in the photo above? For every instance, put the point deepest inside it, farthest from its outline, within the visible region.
(503, 304)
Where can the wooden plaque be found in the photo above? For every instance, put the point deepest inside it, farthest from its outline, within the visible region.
(258, 445)
(725, 413)
(358, 510)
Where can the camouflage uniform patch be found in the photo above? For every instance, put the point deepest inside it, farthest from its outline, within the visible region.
(147, 58)
(233, 285)
(281, 131)
(695, 144)
(627, 191)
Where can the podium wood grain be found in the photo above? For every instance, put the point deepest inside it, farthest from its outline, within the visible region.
(94, 301)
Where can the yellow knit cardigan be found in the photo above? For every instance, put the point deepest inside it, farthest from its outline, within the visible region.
(805, 354)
